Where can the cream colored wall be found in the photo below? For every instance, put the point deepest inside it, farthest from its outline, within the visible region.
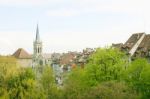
(24, 62)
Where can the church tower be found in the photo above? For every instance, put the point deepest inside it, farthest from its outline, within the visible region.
(37, 45)
(37, 50)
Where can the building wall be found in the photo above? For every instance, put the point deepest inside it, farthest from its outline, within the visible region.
(25, 62)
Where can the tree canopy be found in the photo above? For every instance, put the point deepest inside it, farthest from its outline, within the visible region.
(107, 74)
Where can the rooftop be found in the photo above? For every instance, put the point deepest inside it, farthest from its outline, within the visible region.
(22, 54)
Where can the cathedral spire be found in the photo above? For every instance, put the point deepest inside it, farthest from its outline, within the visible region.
(37, 34)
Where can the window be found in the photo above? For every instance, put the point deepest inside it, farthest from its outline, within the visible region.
(38, 49)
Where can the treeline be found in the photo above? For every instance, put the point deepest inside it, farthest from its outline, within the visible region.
(107, 75)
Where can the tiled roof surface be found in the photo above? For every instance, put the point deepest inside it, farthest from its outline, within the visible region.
(145, 44)
(21, 54)
(67, 58)
(118, 45)
(132, 40)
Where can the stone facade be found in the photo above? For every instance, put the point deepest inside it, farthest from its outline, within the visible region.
(39, 60)
(37, 50)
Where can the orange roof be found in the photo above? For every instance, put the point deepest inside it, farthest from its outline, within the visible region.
(22, 54)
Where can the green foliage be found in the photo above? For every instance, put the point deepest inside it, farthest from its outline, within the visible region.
(137, 75)
(20, 85)
(108, 74)
(110, 90)
(7, 70)
(17, 82)
(105, 65)
(47, 82)
(75, 84)
(101, 78)
(135, 68)
(145, 81)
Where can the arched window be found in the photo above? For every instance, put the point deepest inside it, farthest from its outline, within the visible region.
(38, 49)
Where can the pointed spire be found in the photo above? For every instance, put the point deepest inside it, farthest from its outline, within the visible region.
(37, 34)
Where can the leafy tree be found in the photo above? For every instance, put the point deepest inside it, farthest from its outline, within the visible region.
(137, 76)
(133, 72)
(7, 69)
(23, 85)
(105, 65)
(47, 82)
(145, 82)
(75, 84)
(77, 88)
(17, 82)
(110, 90)
(108, 74)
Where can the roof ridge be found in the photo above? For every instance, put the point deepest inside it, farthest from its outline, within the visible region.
(21, 53)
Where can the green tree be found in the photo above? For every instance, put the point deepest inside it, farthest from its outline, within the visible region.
(105, 65)
(7, 69)
(47, 82)
(145, 82)
(17, 82)
(110, 90)
(23, 85)
(133, 72)
(77, 87)
(137, 76)
(75, 84)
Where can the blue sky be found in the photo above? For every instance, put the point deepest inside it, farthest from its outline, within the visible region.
(70, 25)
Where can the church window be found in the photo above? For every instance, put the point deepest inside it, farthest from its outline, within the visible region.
(38, 50)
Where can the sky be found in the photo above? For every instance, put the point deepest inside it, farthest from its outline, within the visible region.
(70, 25)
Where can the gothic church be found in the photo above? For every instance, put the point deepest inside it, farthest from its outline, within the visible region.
(37, 59)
